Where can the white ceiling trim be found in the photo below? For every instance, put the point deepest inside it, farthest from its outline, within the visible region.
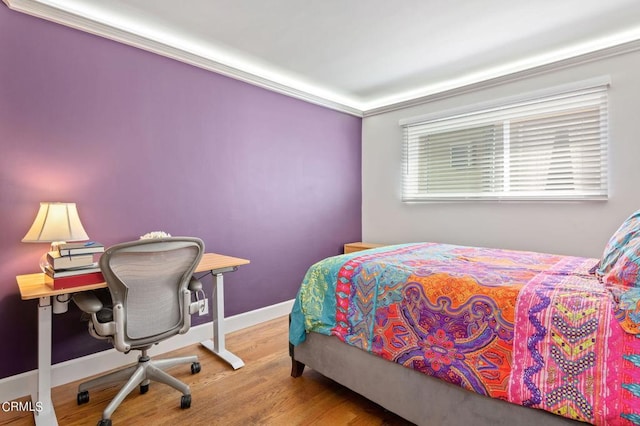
(604, 53)
(50, 12)
(611, 46)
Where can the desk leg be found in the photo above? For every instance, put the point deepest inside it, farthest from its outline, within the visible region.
(217, 346)
(44, 412)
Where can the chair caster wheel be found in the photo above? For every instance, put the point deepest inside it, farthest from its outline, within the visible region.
(83, 397)
(195, 367)
(185, 401)
(144, 389)
(104, 422)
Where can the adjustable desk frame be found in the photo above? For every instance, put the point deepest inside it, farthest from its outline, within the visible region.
(32, 286)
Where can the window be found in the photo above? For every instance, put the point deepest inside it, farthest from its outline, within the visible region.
(545, 146)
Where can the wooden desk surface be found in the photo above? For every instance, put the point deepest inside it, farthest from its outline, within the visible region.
(32, 286)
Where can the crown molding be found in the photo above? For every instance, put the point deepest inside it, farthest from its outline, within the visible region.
(70, 19)
(585, 58)
(43, 9)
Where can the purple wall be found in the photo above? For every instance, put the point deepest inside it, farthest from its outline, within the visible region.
(143, 143)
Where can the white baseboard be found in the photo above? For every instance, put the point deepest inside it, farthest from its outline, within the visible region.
(24, 384)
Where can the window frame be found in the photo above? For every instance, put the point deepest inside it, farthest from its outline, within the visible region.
(520, 109)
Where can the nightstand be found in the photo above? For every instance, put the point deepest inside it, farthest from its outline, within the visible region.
(351, 247)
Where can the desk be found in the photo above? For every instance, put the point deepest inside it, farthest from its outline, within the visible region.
(32, 286)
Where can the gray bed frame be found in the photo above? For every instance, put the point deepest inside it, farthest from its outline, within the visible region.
(416, 397)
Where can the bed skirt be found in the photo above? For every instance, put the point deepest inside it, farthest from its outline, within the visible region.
(414, 396)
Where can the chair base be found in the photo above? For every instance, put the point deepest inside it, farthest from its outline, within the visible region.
(140, 375)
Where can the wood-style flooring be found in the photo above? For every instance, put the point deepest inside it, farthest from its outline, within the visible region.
(260, 393)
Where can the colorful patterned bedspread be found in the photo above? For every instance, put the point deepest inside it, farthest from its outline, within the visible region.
(530, 328)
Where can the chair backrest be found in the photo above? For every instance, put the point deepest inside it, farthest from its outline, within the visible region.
(147, 280)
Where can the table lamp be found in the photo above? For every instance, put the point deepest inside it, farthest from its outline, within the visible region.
(55, 223)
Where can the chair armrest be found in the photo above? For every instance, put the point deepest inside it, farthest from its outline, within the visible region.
(88, 302)
(195, 284)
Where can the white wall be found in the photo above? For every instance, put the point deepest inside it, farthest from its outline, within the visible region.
(573, 228)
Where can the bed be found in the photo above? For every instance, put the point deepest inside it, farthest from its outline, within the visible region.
(447, 335)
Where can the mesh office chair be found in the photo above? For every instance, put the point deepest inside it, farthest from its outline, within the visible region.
(150, 282)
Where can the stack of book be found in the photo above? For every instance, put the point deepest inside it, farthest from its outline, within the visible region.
(73, 265)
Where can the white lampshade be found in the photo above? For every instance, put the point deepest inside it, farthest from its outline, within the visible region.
(56, 222)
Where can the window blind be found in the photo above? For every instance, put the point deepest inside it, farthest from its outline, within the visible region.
(551, 147)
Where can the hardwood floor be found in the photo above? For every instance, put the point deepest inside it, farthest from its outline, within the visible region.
(260, 393)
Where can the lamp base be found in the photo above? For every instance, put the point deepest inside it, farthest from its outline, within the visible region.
(44, 263)
(56, 245)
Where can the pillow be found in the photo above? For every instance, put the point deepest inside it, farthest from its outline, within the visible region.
(627, 309)
(625, 272)
(629, 229)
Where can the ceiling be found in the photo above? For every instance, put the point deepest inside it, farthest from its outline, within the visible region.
(357, 55)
